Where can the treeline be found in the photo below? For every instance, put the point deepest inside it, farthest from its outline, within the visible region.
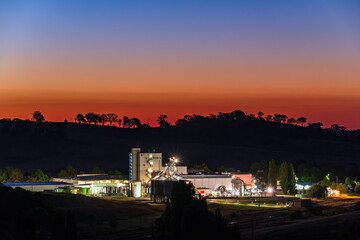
(11, 174)
(267, 174)
(112, 119)
(320, 190)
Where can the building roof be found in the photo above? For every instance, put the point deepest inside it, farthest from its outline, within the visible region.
(207, 176)
(246, 177)
(15, 184)
(95, 177)
(306, 183)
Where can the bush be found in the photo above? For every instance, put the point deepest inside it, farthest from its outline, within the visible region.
(185, 214)
(343, 188)
(317, 191)
(357, 189)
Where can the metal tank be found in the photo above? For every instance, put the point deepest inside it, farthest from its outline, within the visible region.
(162, 184)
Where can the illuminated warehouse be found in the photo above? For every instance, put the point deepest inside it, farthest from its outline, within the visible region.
(99, 185)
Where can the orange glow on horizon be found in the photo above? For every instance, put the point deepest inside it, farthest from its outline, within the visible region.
(148, 106)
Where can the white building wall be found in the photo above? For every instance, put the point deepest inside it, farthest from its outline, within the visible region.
(145, 160)
(40, 188)
(211, 183)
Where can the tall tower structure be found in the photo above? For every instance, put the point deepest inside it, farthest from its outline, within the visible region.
(133, 163)
(142, 166)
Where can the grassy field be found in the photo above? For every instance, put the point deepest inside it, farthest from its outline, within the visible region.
(108, 217)
(128, 218)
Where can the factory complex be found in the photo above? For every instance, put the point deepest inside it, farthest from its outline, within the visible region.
(148, 177)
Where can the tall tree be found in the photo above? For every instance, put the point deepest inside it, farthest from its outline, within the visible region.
(238, 115)
(287, 178)
(316, 125)
(272, 174)
(284, 177)
(131, 123)
(301, 120)
(325, 182)
(104, 119)
(292, 179)
(118, 121)
(348, 181)
(125, 121)
(16, 176)
(269, 118)
(98, 118)
(39, 176)
(260, 115)
(280, 117)
(112, 117)
(338, 127)
(260, 170)
(37, 116)
(69, 171)
(136, 122)
(162, 120)
(91, 118)
(291, 121)
(80, 118)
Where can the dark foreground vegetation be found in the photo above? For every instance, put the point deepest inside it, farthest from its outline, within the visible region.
(186, 215)
(60, 216)
(25, 215)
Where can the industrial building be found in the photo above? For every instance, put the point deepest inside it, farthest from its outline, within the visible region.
(162, 184)
(143, 166)
(206, 184)
(38, 186)
(217, 184)
(101, 185)
(147, 177)
(248, 179)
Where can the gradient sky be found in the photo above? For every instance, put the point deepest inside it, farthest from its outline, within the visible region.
(146, 58)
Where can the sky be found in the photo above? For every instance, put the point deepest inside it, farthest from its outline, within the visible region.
(146, 58)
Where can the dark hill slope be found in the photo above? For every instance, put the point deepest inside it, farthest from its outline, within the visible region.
(52, 146)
